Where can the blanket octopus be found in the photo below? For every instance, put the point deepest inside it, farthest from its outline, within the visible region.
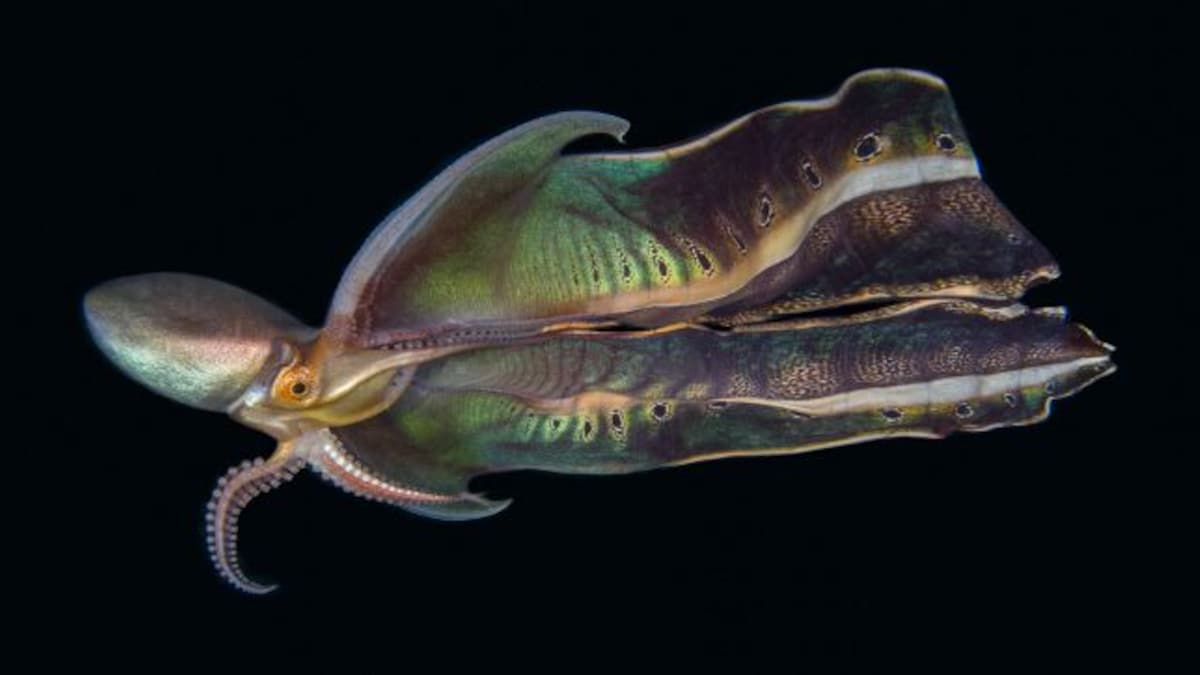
(813, 274)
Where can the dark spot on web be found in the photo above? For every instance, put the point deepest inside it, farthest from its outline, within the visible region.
(892, 414)
(946, 143)
(766, 210)
(811, 176)
(1010, 399)
(868, 146)
(964, 410)
(659, 411)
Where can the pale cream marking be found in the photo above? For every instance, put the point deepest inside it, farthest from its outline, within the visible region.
(1052, 312)
(632, 334)
(567, 327)
(981, 291)
(1088, 331)
(345, 372)
(944, 390)
(883, 313)
(590, 401)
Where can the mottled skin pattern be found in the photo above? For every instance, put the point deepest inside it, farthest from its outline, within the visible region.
(615, 312)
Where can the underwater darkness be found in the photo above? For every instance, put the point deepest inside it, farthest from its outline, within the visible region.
(264, 157)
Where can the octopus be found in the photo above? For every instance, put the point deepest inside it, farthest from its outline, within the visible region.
(813, 274)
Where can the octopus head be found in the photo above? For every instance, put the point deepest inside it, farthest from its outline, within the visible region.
(214, 346)
(198, 341)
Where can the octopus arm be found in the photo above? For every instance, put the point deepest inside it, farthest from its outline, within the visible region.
(602, 405)
(233, 492)
(871, 194)
(322, 450)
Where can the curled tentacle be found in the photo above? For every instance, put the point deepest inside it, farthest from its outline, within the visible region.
(338, 465)
(334, 463)
(234, 490)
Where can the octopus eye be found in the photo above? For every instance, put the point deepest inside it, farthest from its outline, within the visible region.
(868, 146)
(294, 385)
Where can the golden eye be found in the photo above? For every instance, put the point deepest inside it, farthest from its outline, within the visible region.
(294, 384)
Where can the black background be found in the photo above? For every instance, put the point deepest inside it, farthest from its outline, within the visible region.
(263, 151)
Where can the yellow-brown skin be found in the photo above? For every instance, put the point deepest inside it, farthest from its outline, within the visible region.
(287, 414)
(326, 385)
